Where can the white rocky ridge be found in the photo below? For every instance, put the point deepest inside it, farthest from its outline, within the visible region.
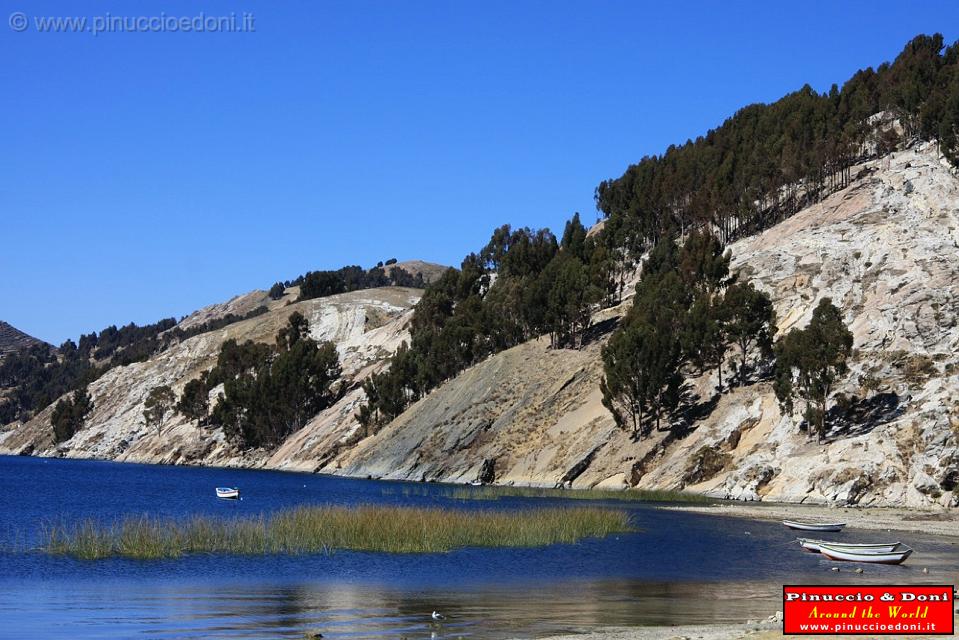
(366, 327)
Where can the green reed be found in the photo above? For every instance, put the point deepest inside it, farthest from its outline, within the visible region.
(326, 529)
(495, 492)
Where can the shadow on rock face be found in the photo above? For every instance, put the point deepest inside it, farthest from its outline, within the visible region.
(858, 416)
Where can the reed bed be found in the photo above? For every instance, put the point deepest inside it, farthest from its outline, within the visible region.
(495, 492)
(326, 529)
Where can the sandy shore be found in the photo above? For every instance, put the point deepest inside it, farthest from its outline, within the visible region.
(940, 523)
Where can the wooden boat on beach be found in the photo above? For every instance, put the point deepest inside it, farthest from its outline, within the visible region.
(228, 493)
(813, 545)
(835, 553)
(814, 526)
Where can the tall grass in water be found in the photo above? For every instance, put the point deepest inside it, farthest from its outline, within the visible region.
(87, 540)
(324, 529)
(495, 492)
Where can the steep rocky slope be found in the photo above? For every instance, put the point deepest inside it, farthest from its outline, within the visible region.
(12, 339)
(366, 327)
(885, 249)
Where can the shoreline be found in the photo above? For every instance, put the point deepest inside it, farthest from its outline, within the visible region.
(944, 523)
(940, 522)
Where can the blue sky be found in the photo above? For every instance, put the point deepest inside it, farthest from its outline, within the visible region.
(143, 175)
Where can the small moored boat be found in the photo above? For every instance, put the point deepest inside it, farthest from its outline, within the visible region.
(227, 493)
(814, 526)
(834, 553)
(813, 545)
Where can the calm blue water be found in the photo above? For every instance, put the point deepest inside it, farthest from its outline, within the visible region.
(681, 568)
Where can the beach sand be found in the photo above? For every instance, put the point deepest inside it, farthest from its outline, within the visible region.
(944, 522)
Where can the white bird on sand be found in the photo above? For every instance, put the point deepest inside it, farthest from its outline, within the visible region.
(438, 616)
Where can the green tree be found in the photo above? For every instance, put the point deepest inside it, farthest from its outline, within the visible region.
(297, 328)
(69, 414)
(194, 403)
(810, 361)
(158, 403)
(276, 291)
(570, 298)
(704, 336)
(750, 323)
(574, 238)
(270, 393)
(642, 380)
(702, 262)
(663, 258)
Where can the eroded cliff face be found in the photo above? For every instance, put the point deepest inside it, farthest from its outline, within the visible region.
(366, 327)
(885, 249)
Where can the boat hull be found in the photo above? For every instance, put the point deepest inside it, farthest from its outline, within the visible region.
(813, 545)
(815, 526)
(897, 557)
(227, 493)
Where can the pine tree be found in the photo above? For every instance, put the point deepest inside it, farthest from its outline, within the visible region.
(194, 403)
(641, 365)
(69, 414)
(158, 403)
(270, 393)
(751, 323)
(810, 361)
(704, 336)
(702, 262)
(276, 291)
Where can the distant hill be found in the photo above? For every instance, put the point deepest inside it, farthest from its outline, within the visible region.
(430, 270)
(12, 339)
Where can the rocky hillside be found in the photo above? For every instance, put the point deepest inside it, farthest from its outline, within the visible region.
(885, 249)
(12, 339)
(429, 270)
(366, 326)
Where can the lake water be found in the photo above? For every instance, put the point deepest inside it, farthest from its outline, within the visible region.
(680, 568)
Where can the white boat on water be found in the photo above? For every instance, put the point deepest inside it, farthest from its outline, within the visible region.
(835, 553)
(227, 493)
(813, 545)
(814, 526)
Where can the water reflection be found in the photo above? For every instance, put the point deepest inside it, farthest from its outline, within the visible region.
(354, 611)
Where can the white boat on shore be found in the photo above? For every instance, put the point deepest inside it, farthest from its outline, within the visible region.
(813, 545)
(228, 493)
(814, 526)
(835, 553)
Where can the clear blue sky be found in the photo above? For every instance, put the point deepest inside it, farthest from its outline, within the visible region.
(143, 175)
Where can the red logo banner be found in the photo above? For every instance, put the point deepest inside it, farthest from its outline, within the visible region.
(871, 610)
